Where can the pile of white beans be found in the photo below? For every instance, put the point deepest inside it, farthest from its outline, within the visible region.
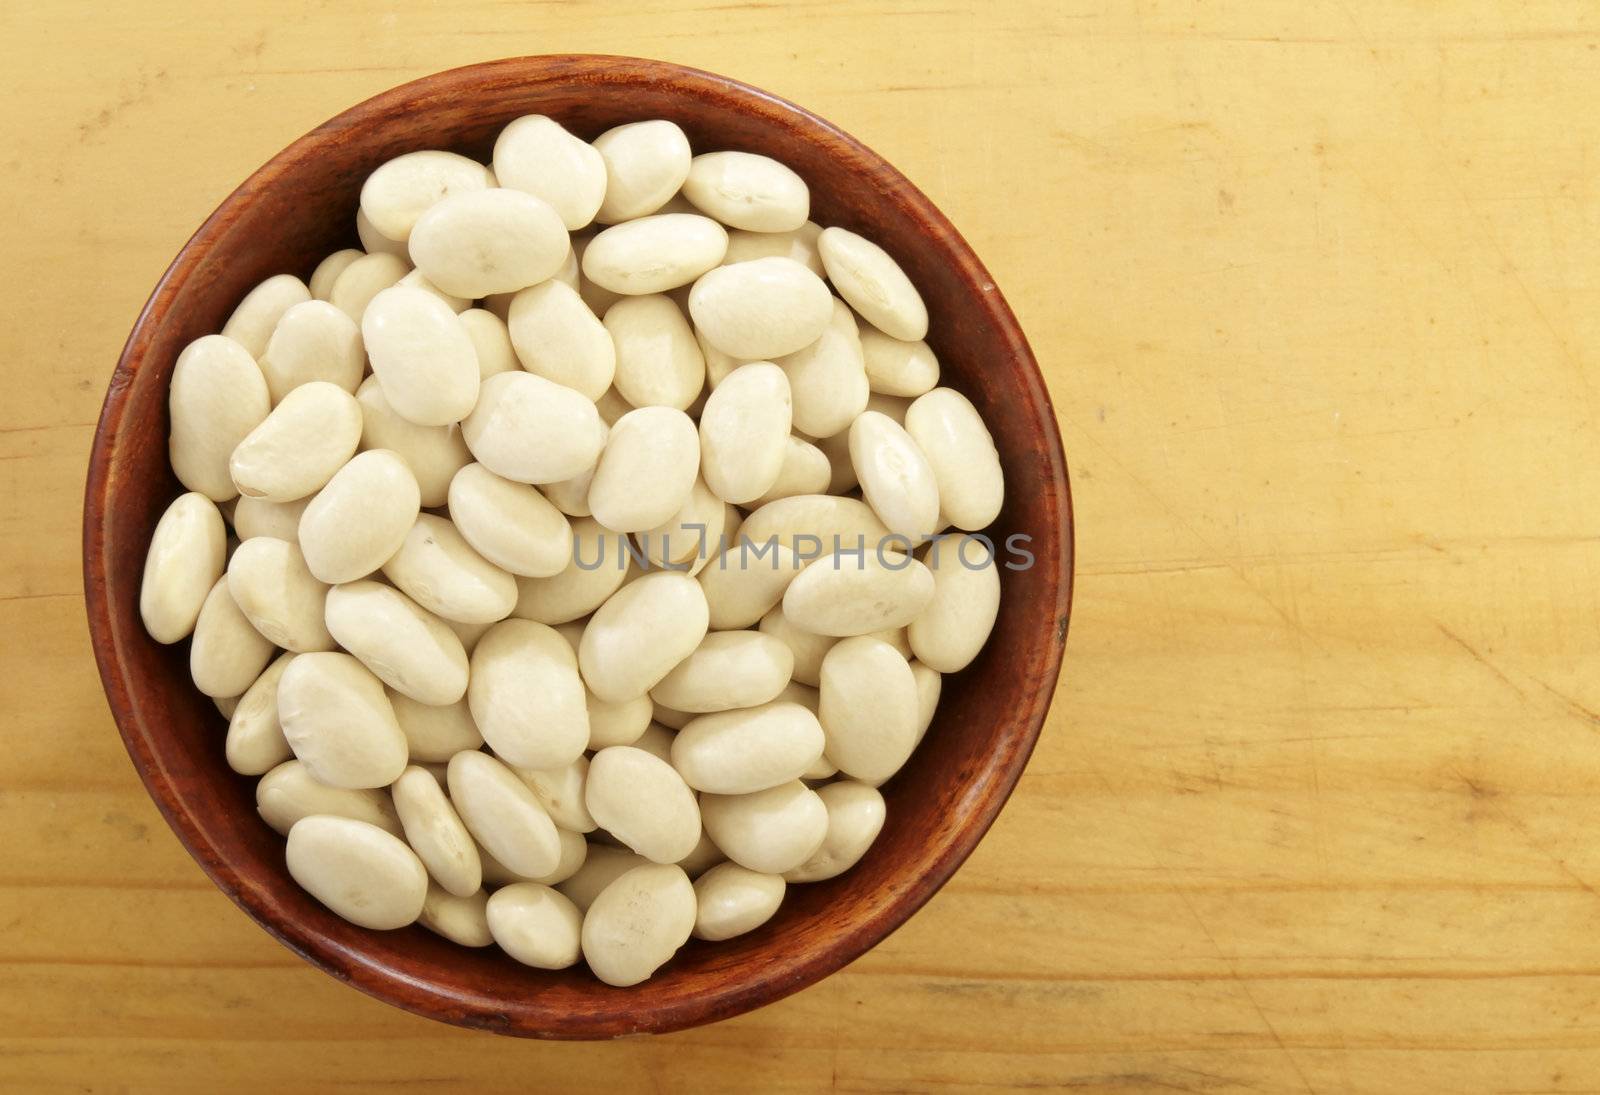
(551, 615)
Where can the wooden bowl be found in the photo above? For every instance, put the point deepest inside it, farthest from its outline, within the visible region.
(299, 207)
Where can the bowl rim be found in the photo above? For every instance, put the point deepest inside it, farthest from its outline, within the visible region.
(348, 964)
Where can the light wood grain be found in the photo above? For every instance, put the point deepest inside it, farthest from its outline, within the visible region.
(1316, 295)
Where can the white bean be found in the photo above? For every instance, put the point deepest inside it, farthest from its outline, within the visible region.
(897, 637)
(278, 594)
(491, 340)
(296, 449)
(690, 537)
(647, 469)
(744, 432)
(642, 632)
(668, 719)
(654, 254)
(435, 832)
(290, 792)
(405, 646)
(643, 802)
(731, 900)
(359, 871)
(463, 920)
(657, 738)
(892, 405)
(574, 851)
(748, 191)
(745, 581)
(488, 241)
(637, 924)
(805, 470)
(612, 406)
(898, 368)
(842, 476)
(510, 524)
(895, 476)
(434, 732)
(761, 309)
(600, 563)
(571, 496)
(703, 857)
(338, 721)
(415, 280)
(854, 594)
(433, 453)
(739, 752)
(929, 685)
(829, 377)
(258, 517)
(503, 815)
(855, 818)
(356, 522)
(536, 925)
(803, 694)
(255, 743)
(659, 363)
(646, 164)
(966, 599)
(770, 831)
(533, 430)
(226, 654)
(252, 322)
(961, 451)
(813, 525)
(375, 242)
(556, 336)
(728, 670)
(872, 283)
(808, 647)
(469, 634)
(869, 708)
(537, 154)
(186, 557)
(570, 275)
(719, 366)
(401, 190)
(217, 397)
(437, 568)
(560, 792)
(328, 271)
(800, 245)
(597, 298)
(364, 279)
(526, 697)
(422, 356)
(603, 866)
(618, 723)
(313, 341)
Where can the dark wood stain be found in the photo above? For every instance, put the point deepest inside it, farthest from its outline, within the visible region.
(300, 206)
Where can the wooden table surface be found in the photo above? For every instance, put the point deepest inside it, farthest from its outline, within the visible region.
(1318, 299)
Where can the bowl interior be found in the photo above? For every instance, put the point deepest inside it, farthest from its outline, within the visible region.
(299, 207)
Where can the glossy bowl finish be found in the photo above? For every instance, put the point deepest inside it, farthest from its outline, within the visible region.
(300, 206)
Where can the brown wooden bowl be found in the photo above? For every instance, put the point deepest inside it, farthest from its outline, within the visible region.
(299, 207)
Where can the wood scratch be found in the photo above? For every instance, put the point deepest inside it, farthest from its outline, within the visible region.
(1480, 659)
(1588, 714)
(1488, 796)
(1572, 705)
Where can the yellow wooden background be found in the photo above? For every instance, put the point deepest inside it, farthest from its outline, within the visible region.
(1317, 292)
